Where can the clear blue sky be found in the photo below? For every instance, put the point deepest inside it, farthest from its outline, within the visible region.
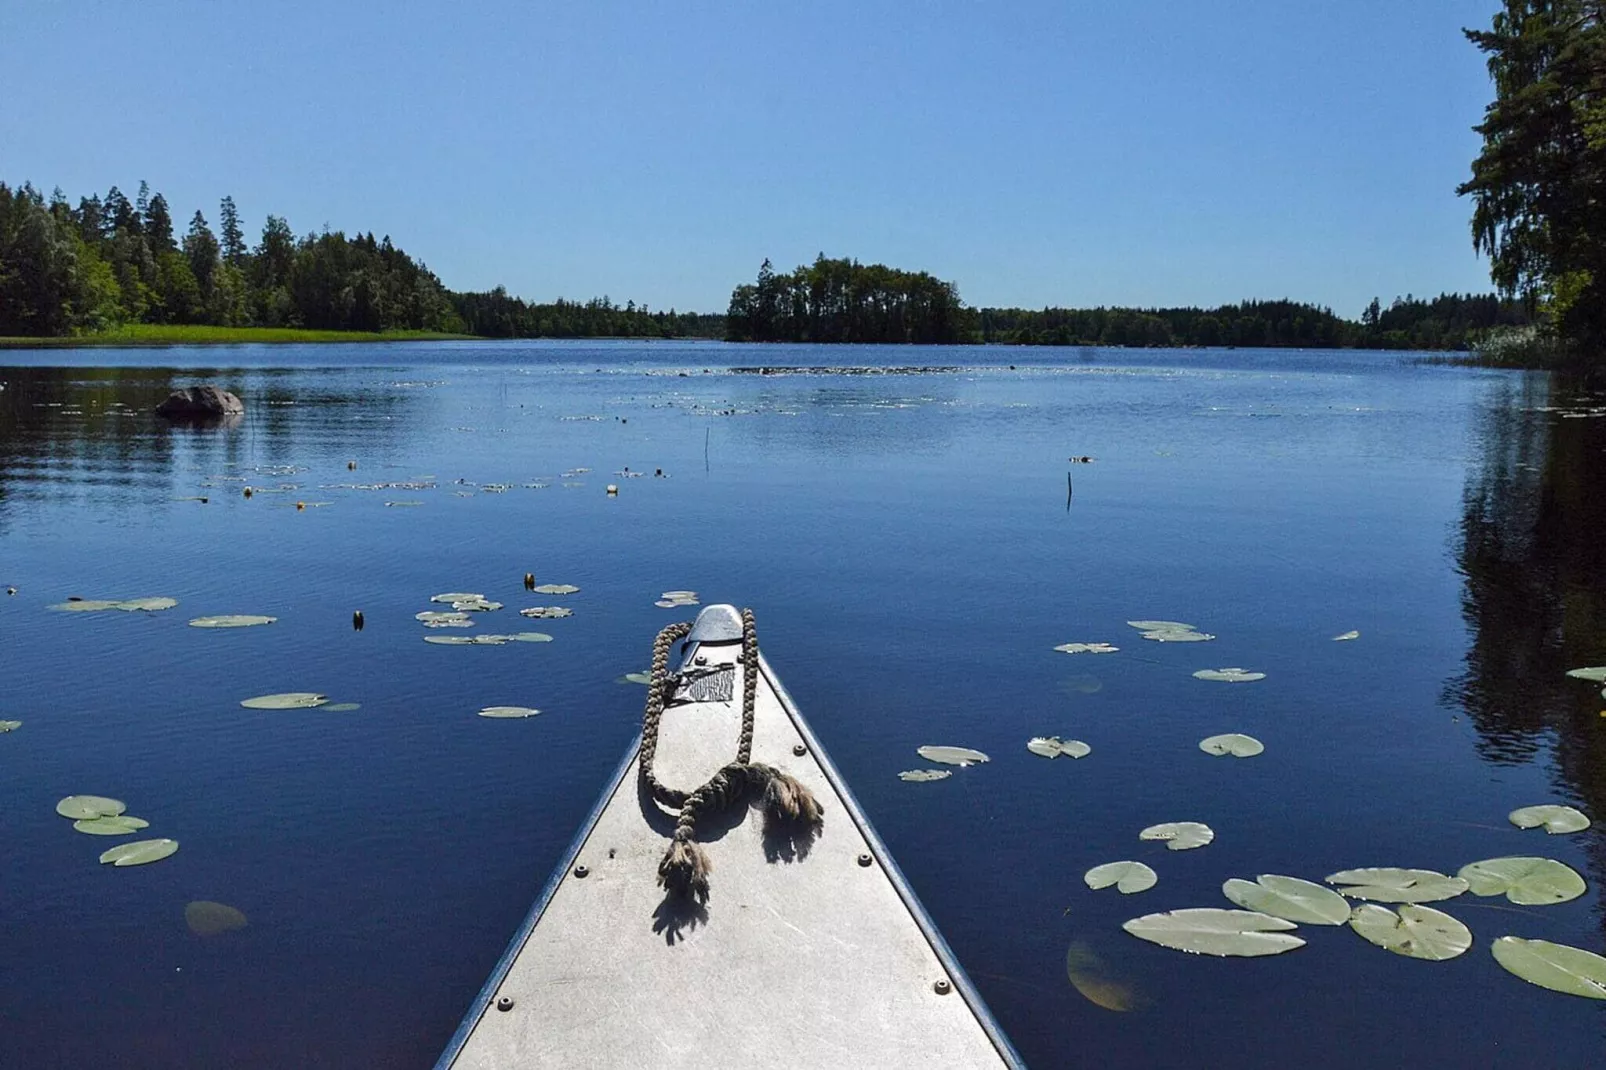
(1104, 152)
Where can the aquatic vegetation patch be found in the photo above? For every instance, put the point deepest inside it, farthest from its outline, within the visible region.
(286, 700)
(916, 776)
(1232, 743)
(1230, 675)
(9, 726)
(1346, 637)
(1289, 898)
(1526, 881)
(1555, 819)
(1390, 884)
(1558, 967)
(89, 807)
(555, 588)
(1596, 673)
(232, 620)
(1214, 931)
(1414, 931)
(546, 612)
(1087, 648)
(98, 605)
(1180, 835)
(112, 825)
(139, 853)
(960, 756)
(1128, 877)
(1054, 746)
(509, 712)
(634, 678)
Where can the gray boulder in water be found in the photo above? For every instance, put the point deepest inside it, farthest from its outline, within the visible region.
(200, 403)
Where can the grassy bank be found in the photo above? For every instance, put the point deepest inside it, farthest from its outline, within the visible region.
(151, 334)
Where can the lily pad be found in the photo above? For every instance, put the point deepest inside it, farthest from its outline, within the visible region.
(1212, 931)
(452, 640)
(919, 775)
(1596, 673)
(341, 707)
(509, 711)
(113, 825)
(960, 756)
(232, 620)
(1161, 626)
(555, 588)
(1180, 835)
(212, 919)
(1414, 931)
(1555, 819)
(1289, 898)
(457, 596)
(1233, 743)
(9, 726)
(1094, 980)
(1528, 881)
(1346, 637)
(1230, 675)
(530, 637)
(146, 605)
(83, 605)
(544, 612)
(89, 807)
(1086, 648)
(634, 678)
(475, 605)
(1176, 635)
(1558, 967)
(1128, 877)
(1389, 884)
(1054, 746)
(287, 700)
(443, 616)
(139, 853)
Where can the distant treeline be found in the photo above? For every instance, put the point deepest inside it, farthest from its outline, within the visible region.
(108, 262)
(846, 301)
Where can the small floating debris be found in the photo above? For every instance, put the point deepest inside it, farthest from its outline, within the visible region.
(139, 853)
(1128, 877)
(960, 756)
(1214, 931)
(1233, 743)
(1054, 746)
(918, 776)
(233, 620)
(1555, 819)
(1087, 648)
(1231, 675)
(1180, 835)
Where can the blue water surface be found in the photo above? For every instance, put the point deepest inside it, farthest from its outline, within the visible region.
(914, 544)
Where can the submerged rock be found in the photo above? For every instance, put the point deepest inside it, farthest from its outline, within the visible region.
(200, 403)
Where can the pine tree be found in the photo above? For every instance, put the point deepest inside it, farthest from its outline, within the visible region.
(233, 237)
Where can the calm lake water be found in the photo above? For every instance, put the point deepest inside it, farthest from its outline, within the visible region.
(907, 545)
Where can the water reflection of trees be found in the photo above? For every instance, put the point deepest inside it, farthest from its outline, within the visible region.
(1532, 551)
(77, 433)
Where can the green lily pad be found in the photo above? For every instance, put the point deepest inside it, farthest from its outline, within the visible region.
(1180, 835)
(530, 637)
(545, 612)
(556, 588)
(1597, 673)
(452, 640)
(146, 605)
(919, 775)
(1233, 743)
(1161, 626)
(444, 616)
(1176, 635)
(1346, 637)
(475, 605)
(1128, 877)
(1289, 898)
(1389, 884)
(233, 620)
(206, 918)
(89, 807)
(1414, 931)
(1213, 931)
(457, 596)
(288, 700)
(1230, 675)
(1557, 967)
(1086, 648)
(114, 825)
(509, 711)
(83, 605)
(139, 853)
(634, 678)
(9, 726)
(960, 756)
(1054, 746)
(1528, 881)
(341, 707)
(678, 594)
(1555, 819)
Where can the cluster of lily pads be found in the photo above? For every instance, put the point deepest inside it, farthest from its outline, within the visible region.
(676, 599)
(464, 604)
(100, 816)
(97, 605)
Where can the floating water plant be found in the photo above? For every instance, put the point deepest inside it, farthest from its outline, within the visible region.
(1414, 931)
(146, 605)
(1213, 931)
(920, 775)
(1180, 835)
(1233, 743)
(232, 620)
(1054, 746)
(1161, 626)
(960, 756)
(457, 596)
(546, 612)
(341, 707)
(475, 605)
(96, 605)
(89, 807)
(1128, 877)
(288, 700)
(509, 711)
(488, 640)
(9, 726)
(556, 588)
(1231, 675)
(139, 853)
(1558, 967)
(1554, 818)
(1346, 637)
(634, 678)
(675, 599)
(440, 618)
(113, 825)
(1087, 648)
(1527, 881)
(206, 918)
(1597, 673)
(1388, 884)
(1288, 898)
